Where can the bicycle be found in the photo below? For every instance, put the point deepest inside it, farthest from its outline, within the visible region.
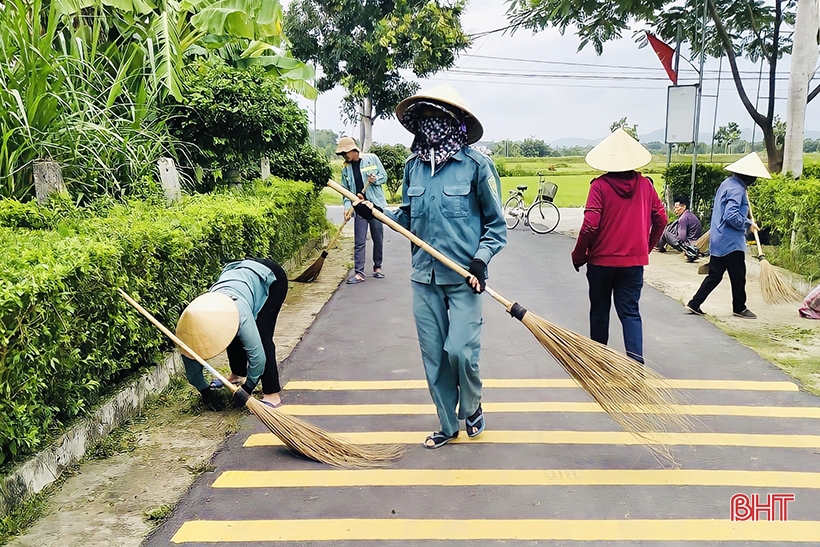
(542, 216)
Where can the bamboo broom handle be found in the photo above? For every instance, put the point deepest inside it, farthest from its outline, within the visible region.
(421, 243)
(177, 341)
(760, 254)
(345, 221)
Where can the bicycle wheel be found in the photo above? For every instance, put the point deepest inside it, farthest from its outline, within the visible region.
(513, 211)
(543, 216)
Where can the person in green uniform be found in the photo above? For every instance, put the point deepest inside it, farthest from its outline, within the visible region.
(450, 199)
(237, 314)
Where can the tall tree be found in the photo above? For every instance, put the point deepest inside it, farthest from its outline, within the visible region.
(804, 59)
(364, 44)
(735, 28)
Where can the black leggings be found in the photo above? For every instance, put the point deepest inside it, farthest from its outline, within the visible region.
(266, 323)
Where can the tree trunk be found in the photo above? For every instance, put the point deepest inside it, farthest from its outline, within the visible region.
(764, 122)
(804, 57)
(366, 124)
(775, 154)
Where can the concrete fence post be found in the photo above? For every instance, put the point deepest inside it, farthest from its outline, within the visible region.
(169, 177)
(265, 168)
(48, 180)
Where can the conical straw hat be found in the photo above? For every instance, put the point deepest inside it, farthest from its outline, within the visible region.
(447, 95)
(618, 152)
(208, 324)
(750, 165)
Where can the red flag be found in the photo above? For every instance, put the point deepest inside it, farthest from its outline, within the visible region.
(665, 54)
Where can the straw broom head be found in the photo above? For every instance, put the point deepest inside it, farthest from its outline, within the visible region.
(632, 394)
(317, 444)
(300, 437)
(702, 243)
(313, 271)
(774, 287)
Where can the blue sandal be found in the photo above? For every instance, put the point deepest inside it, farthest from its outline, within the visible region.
(439, 439)
(475, 421)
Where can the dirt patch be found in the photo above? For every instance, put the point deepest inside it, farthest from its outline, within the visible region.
(146, 466)
(779, 334)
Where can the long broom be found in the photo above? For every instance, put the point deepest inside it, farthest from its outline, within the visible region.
(312, 272)
(298, 436)
(774, 287)
(632, 394)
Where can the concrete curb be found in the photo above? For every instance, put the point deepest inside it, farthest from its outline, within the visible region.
(48, 465)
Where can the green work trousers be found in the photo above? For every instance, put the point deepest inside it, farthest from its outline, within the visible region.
(448, 322)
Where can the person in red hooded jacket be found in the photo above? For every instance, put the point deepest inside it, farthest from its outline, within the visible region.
(623, 221)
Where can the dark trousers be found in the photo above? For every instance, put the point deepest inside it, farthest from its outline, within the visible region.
(735, 264)
(623, 286)
(669, 237)
(266, 323)
(360, 226)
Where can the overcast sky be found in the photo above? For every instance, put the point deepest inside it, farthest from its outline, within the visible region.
(554, 100)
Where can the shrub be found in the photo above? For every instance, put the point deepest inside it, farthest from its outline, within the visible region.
(307, 163)
(707, 179)
(235, 117)
(789, 208)
(392, 158)
(66, 334)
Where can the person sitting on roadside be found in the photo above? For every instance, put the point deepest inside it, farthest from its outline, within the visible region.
(681, 233)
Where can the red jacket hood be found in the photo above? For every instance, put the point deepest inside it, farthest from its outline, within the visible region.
(624, 183)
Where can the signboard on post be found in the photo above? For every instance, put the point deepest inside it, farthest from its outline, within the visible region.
(680, 114)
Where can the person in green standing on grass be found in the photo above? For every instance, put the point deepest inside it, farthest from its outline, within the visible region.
(450, 198)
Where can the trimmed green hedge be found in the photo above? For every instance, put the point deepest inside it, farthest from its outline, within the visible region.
(65, 333)
(785, 206)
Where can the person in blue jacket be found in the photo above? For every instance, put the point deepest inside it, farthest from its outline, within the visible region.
(450, 199)
(727, 235)
(363, 175)
(237, 315)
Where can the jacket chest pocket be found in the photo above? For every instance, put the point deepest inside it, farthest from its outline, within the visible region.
(456, 200)
(418, 207)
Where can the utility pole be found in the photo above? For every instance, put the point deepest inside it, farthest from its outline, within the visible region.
(697, 104)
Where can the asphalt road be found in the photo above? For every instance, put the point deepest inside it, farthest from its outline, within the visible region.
(549, 469)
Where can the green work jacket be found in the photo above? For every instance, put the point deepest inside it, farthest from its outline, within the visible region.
(369, 163)
(457, 210)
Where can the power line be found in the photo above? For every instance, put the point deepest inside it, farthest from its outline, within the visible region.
(495, 73)
(595, 65)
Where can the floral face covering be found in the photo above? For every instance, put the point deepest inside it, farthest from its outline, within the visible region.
(439, 135)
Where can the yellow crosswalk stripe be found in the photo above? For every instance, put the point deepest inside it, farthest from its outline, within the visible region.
(679, 530)
(574, 437)
(529, 407)
(335, 478)
(362, 385)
